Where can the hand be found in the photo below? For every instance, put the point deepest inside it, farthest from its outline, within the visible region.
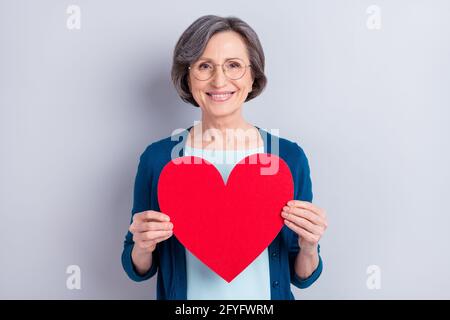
(149, 228)
(308, 221)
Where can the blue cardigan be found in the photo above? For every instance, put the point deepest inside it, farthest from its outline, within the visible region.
(169, 256)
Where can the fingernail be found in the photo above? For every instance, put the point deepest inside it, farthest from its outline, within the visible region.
(284, 214)
(286, 209)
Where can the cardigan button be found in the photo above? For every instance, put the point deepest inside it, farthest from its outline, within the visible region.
(275, 284)
(274, 255)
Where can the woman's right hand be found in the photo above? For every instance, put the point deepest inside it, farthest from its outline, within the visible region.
(149, 228)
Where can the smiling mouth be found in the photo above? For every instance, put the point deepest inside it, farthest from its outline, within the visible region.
(220, 97)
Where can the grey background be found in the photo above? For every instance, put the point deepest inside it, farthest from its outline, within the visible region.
(369, 107)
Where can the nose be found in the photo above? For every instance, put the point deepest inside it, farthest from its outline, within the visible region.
(218, 79)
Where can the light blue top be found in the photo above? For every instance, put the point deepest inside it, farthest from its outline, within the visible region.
(204, 284)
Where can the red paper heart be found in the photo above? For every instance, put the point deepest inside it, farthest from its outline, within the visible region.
(226, 226)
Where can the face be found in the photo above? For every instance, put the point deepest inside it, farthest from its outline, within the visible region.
(220, 48)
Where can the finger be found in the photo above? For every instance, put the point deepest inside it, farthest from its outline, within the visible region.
(152, 235)
(146, 244)
(156, 215)
(158, 240)
(140, 216)
(308, 206)
(302, 222)
(151, 215)
(308, 236)
(153, 226)
(306, 214)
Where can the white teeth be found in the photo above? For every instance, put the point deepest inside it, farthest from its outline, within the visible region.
(220, 97)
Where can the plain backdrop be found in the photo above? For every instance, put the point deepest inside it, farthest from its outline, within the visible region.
(370, 107)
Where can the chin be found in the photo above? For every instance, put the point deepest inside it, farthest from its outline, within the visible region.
(222, 110)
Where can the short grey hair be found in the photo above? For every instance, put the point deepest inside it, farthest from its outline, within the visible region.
(193, 42)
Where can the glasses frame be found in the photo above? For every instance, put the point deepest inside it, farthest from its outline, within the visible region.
(223, 69)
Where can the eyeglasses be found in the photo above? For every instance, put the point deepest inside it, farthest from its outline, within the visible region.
(233, 69)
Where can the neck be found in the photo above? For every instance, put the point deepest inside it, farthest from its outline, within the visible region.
(232, 132)
(222, 124)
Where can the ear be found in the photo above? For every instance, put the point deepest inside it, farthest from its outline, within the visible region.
(253, 81)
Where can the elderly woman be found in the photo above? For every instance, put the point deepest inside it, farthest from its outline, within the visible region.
(218, 65)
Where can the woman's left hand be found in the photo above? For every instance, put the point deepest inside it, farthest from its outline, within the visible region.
(308, 221)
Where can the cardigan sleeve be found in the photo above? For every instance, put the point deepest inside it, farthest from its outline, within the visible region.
(303, 193)
(141, 202)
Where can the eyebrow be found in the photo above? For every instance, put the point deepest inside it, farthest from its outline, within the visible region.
(209, 59)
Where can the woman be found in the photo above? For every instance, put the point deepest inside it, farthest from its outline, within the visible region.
(218, 65)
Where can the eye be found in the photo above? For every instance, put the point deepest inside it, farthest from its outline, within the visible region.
(234, 65)
(204, 66)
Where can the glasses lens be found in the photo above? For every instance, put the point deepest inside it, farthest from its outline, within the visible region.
(234, 69)
(203, 70)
